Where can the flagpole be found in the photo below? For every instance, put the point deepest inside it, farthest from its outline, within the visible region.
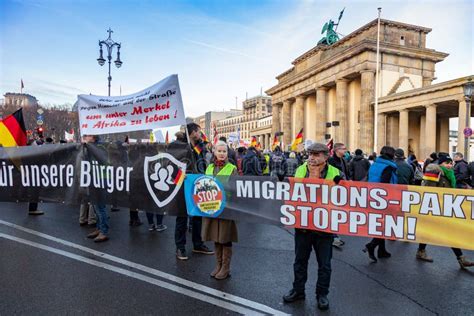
(377, 75)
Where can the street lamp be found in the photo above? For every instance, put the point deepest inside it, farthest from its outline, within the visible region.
(468, 91)
(109, 44)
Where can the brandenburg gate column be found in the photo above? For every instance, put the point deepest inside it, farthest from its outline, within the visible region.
(430, 129)
(341, 111)
(321, 109)
(367, 86)
(276, 123)
(403, 131)
(444, 135)
(286, 119)
(299, 113)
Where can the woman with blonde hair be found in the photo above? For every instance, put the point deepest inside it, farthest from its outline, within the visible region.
(222, 231)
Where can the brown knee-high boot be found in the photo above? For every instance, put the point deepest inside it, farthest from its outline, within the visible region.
(226, 258)
(218, 249)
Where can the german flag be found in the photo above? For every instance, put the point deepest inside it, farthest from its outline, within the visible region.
(275, 141)
(298, 140)
(431, 176)
(167, 139)
(12, 130)
(198, 148)
(178, 180)
(253, 143)
(204, 137)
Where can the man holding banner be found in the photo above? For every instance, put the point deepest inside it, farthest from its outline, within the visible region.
(194, 132)
(316, 167)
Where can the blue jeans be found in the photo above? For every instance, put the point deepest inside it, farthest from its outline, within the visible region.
(159, 218)
(305, 241)
(102, 219)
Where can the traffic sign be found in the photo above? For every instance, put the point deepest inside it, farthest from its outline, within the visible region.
(40, 111)
(39, 117)
(39, 122)
(467, 132)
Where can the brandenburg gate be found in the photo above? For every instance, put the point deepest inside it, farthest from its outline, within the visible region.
(330, 92)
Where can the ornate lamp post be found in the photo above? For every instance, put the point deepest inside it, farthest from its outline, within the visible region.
(468, 91)
(109, 44)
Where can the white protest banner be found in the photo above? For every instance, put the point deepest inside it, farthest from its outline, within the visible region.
(158, 136)
(155, 107)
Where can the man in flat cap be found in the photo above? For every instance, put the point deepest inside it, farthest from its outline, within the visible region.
(315, 167)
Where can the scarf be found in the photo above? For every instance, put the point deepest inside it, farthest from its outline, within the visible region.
(449, 173)
(219, 163)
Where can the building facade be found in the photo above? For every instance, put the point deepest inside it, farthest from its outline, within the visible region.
(330, 90)
(19, 99)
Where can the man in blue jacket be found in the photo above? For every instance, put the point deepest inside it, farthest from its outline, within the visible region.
(383, 170)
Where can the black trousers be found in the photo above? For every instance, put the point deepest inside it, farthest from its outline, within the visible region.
(181, 229)
(457, 251)
(32, 207)
(305, 241)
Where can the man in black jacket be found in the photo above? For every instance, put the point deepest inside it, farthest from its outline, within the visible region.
(405, 173)
(251, 164)
(337, 159)
(358, 167)
(461, 171)
(199, 152)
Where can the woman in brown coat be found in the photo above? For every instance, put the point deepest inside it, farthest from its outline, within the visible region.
(222, 231)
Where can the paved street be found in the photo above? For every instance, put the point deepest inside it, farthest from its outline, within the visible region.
(47, 266)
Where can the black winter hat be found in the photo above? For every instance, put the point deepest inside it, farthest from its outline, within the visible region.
(444, 157)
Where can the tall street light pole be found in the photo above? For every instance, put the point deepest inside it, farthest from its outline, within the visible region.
(468, 93)
(109, 44)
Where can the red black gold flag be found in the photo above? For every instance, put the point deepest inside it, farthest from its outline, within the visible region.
(253, 143)
(12, 130)
(298, 140)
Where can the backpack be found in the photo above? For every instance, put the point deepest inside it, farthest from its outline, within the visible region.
(418, 173)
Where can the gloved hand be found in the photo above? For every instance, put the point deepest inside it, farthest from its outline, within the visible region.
(337, 179)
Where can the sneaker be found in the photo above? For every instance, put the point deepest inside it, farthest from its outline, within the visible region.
(323, 302)
(338, 242)
(114, 209)
(37, 212)
(161, 227)
(181, 254)
(293, 296)
(203, 249)
(151, 227)
(82, 223)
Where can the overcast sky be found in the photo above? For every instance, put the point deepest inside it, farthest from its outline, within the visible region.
(220, 49)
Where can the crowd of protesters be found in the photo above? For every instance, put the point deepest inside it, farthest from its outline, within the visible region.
(315, 161)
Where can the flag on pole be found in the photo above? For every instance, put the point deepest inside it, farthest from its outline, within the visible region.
(253, 143)
(215, 134)
(204, 137)
(167, 140)
(275, 141)
(198, 148)
(12, 130)
(330, 146)
(298, 140)
(22, 85)
(238, 134)
(69, 137)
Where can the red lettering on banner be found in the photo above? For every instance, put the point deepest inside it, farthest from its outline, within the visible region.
(94, 117)
(116, 114)
(104, 124)
(157, 107)
(156, 118)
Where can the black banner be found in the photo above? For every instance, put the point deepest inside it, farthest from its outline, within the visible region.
(140, 176)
